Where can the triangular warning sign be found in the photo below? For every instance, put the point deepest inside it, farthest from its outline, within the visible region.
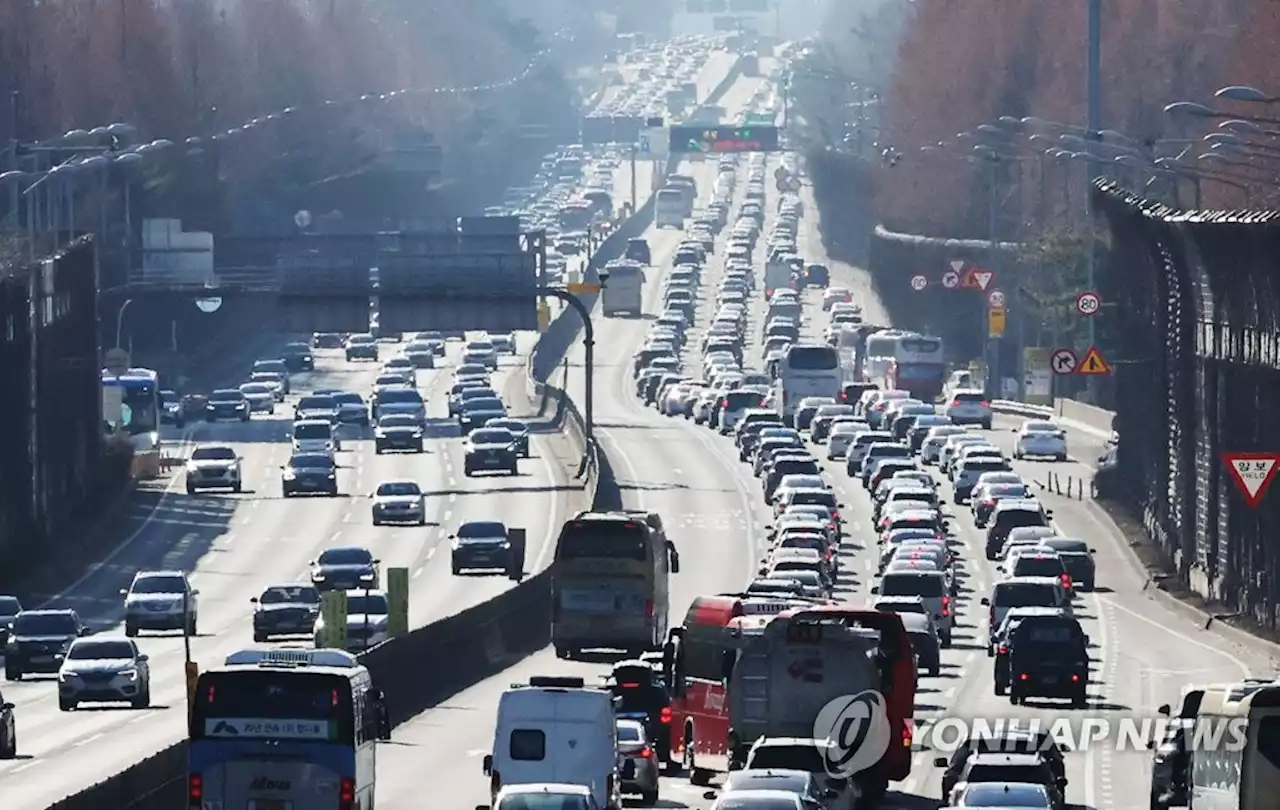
(969, 280)
(1253, 473)
(1092, 363)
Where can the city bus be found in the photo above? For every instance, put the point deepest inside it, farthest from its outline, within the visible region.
(694, 664)
(623, 290)
(1235, 760)
(285, 728)
(878, 350)
(806, 370)
(917, 367)
(610, 586)
(132, 401)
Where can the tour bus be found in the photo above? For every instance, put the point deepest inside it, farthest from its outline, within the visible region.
(622, 288)
(806, 370)
(702, 652)
(668, 208)
(610, 588)
(132, 400)
(917, 366)
(285, 728)
(1235, 762)
(878, 350)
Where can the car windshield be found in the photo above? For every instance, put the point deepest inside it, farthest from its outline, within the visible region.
(346, 556)
(45, 624)
(356, 340)
(1005, 795)
(399, 396)
(290, 594)
(165, 584)
(1025, 594)
(255, 388)
(630, 733)
(791, 757)
(492, 436)
(752, 780)
(507, 424)
(1041, 427)
(399, 488)
(543, 801)
(487, 529)
(311, 461)
(226, 395)
(1029, 566)
(213, 454)
(374, 604)
(90, 650)
(348, 398)
(1061, 545)
(312, 430)
(317, 403)
(483, 404)
(397, 420)
(266, 376)
(928, 586)
(271, 366)
(9, 606)
(471, 370)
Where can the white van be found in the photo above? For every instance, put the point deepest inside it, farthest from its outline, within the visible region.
(668, 208)
(556, 730)
(315, 436)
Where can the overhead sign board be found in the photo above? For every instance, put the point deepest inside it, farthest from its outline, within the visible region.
(653, 143)
(1252, 473)
(688, 139)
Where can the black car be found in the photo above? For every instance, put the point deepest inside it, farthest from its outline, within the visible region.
(326, 340)
(228, 403)
(345, 568)
(362, 347)
(1075, 555)
(817, 275)
(10, 607)
(352, 409)
(8, 730)
(491, 449)
(638, 251)
(641, 695)
(397, 431)
(310, 473)
(518, 429)
(285, 610)
(38, 640)
(297, 357)
(481, 545)
(171, 411)
(477, 412)
(1048, 657)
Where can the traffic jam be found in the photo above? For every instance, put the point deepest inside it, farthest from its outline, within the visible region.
(740, 697)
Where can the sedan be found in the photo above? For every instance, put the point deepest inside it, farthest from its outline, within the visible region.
(489, 450)
(261, 396)
(285, 610)
(518, 429)
(399, 502)
(344, 568)
(1038, 439)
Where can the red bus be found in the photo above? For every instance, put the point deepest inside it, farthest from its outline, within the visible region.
(695, 664)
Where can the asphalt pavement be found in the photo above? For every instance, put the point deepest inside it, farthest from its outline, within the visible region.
(1141, 652)
(236, 545)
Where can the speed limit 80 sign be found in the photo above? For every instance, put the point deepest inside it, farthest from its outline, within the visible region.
(1088, 303)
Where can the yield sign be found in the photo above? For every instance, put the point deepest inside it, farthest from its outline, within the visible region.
(975, 278)
(958, 265)
(1253, 473)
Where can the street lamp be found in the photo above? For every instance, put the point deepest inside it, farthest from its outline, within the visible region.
(1242, 92)
(1199, 110)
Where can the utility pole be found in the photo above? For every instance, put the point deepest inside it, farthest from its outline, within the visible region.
(1094, 126)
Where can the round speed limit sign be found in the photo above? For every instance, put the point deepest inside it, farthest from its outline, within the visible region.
(1088, 303)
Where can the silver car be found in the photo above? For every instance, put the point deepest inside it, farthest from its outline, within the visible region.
(634, 746)
(399, 502)
(1038, 438)
(160, 600)
(970, 407)
(104, 670)
(214, 467)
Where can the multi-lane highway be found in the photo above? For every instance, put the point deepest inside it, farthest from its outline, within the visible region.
(713, 508)
(235, 545)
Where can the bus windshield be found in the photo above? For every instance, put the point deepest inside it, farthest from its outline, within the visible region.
(279, 705)
(812, 358)
(139, 402)
(612, 539)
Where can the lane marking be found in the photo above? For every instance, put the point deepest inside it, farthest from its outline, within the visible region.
(90, 739)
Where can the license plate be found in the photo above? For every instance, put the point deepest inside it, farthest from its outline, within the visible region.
(42, 659)
(1050, 679)
(270, 804)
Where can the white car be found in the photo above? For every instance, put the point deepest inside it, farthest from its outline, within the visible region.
(368, 614)
(104, 670)
(399, 502)
(1040, 439)
(160, 600)
(214, 467)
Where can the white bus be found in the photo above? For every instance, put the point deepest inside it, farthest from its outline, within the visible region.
(669, 208)
(623, 290)
(806, 370)
(610, 586)
(1235, 748)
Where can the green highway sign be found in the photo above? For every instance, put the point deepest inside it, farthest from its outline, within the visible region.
(692, 139)
(757, 119)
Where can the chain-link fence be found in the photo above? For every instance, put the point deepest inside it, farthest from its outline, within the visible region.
(1197, 373)
(55, 470)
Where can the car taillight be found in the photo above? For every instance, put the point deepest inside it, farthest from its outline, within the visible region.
(835, 514)
(955, 403)
(1066, 581)
(665, 716)
(843, 396)
(648, 608)
(1075, 678)
(984, 404)
(645, 752)
(946, 606)
(1023, 677)
(907, 735)
(346, 793)
(724, 403)
(1004, 649)
(195, 790)
(989, 502)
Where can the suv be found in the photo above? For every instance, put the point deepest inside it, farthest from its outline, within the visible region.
(38, 641)
(1048, 657)
(970, 406)
(1010, 514)
(160, 600)
(931, 587)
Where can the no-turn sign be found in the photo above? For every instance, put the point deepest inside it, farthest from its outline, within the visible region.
(951, 279)
(1088, 303)
(918, 283)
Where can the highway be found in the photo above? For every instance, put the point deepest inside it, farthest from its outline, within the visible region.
(1142, 653)
(235, 545)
